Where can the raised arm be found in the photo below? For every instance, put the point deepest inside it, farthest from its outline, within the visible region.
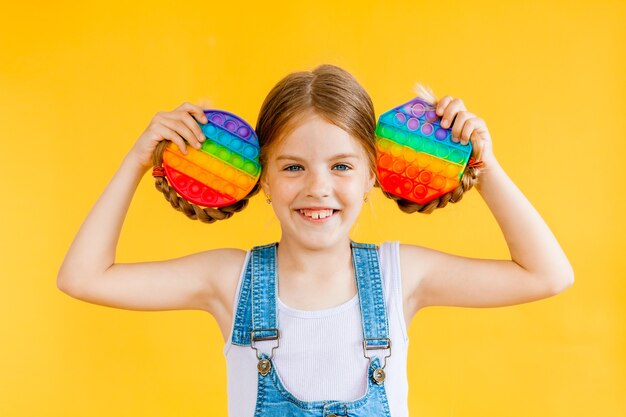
(89, 271)
(538, 268)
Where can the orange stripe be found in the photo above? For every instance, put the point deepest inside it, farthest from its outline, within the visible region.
(392, 157)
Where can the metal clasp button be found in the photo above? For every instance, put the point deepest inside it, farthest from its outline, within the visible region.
(378, 375)
(264, 366)
(254, 338)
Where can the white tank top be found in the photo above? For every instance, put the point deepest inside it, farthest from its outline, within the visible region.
(320, 356)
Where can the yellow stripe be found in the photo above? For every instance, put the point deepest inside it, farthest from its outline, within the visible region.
(420, 159)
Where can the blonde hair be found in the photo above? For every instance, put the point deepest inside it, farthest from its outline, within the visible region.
(331, 93)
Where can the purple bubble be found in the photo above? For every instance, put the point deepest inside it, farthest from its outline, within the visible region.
(413, 123)
(243, 131)
(431, 115)
(400, 118)
(217, 118)
(440, 134)
(231, 126)
(427, 129)
(418, 109)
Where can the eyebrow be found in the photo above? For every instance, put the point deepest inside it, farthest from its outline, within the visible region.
(338, 156)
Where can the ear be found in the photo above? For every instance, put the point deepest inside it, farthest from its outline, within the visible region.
(371, 181)
(265, 183)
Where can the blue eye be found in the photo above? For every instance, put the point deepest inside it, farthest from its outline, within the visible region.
(291, 167)
(345, 167)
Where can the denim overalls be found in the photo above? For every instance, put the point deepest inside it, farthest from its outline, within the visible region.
(256, 320)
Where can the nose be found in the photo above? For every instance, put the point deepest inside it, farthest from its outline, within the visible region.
(318, 184)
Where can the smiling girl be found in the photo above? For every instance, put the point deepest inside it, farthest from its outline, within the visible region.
(315, 324)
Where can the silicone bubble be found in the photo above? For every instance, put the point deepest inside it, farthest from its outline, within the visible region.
(224, 170)
(416, 158)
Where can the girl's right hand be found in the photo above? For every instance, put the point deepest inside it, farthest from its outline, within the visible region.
(178, 126)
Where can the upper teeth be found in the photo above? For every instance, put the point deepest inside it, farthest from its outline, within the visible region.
(317, 214)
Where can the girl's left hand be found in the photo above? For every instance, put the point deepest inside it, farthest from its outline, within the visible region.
(465, 127)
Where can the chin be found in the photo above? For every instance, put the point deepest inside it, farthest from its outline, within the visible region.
(319, 241)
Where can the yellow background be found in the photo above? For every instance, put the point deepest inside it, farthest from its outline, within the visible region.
(80, 82)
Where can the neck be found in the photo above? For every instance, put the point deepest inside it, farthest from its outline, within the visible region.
(323, 263)
(313, 278)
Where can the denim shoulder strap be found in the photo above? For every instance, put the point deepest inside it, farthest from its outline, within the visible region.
(371, 296)
(256, 307)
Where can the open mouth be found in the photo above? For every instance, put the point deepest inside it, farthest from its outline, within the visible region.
(318, 215)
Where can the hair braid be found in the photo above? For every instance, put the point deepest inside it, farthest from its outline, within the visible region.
(193, 211)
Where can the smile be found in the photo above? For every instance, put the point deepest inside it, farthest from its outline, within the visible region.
(317, 215)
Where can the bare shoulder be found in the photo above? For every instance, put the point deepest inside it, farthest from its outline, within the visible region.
(221, 285)
(221, 277)
(413, 260)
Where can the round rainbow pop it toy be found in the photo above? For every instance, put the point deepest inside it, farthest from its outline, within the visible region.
(224, 170)
(416, 158)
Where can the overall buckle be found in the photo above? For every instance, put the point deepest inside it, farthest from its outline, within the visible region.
(254, 338)
(264, 366)
(379, 374)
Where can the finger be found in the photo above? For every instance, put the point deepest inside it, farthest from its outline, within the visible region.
(451, 111)
(181, 129)
(442, 104)
(469, 127)
(459, 124)
(195, 111)
(193, 126)
(172, 136)
(479, 146)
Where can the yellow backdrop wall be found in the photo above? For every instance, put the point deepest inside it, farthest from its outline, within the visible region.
(79, 81)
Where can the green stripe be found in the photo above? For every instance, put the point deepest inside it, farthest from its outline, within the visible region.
(230, 157)
(421, 144)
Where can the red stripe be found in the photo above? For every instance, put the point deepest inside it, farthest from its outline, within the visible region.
(196, 192)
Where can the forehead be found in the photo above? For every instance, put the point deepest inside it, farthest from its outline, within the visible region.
(313, 136)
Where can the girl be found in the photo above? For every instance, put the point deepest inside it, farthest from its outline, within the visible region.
(315, 325)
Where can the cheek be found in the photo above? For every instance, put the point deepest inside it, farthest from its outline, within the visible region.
(352, 188)
(286, 190)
